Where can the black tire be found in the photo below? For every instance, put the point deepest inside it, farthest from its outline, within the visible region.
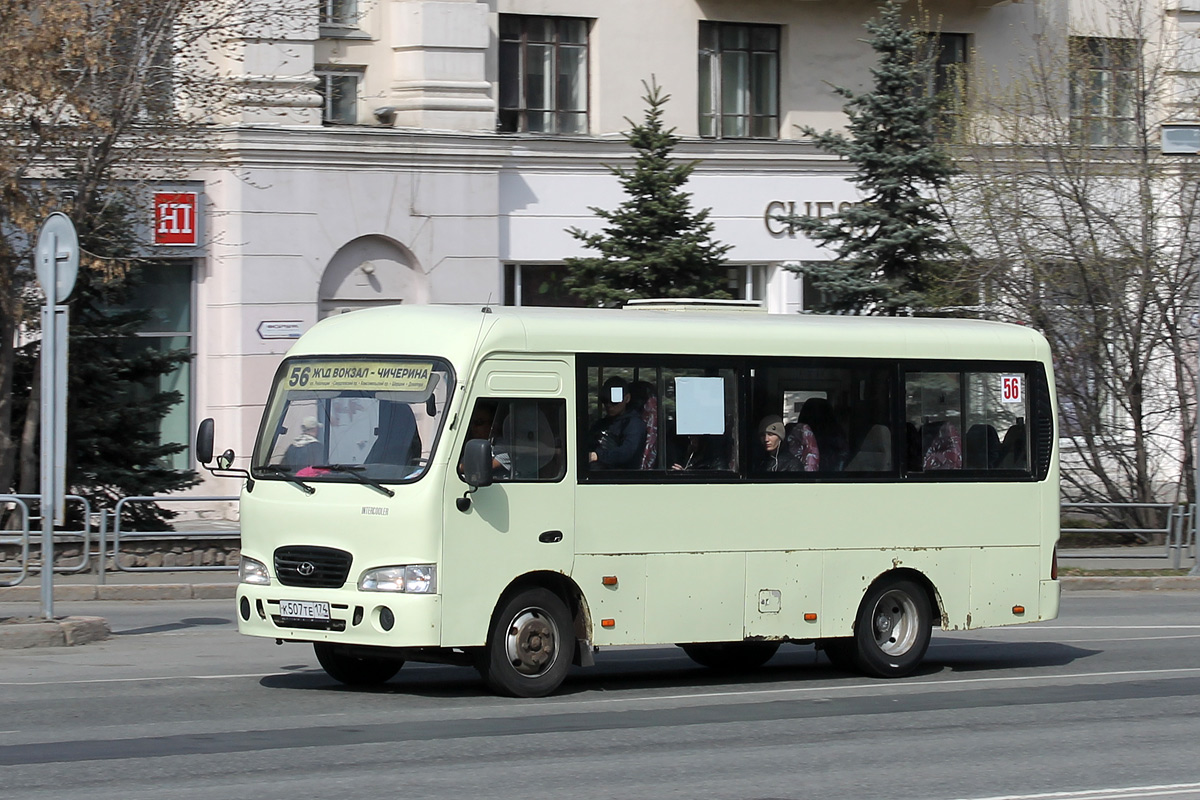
(841, 652)
(355, 670)
(892, 631)
(731, 656)
(530, 646)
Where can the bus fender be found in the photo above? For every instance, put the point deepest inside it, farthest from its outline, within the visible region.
(569, 591)
(922, 580)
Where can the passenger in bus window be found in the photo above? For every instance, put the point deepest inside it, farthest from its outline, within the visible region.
(481, 420)
(945, 446)
(817, 413)
(617, 439)
(703, 453)
(803, 446)
(305, 450)
(775, 457)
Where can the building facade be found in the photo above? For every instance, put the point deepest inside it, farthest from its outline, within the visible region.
(437, 151)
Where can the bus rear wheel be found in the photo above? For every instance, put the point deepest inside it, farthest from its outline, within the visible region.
(530, 646)
(731, 656)
(893, 629)
(354, 670)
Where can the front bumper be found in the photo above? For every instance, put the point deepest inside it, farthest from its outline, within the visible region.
(355, 617)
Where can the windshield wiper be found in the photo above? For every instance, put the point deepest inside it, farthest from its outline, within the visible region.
(286, 474)
(354, 471)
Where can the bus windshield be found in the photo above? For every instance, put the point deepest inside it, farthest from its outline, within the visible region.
(364, 420)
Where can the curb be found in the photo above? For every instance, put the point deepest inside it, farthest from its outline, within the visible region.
(22, 634)
(1143, 583)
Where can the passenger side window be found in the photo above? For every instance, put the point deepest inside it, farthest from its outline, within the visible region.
(826, 418)
(700, 413)
(969, 420)
(526, 436)
(997, 437)
(622, 428)
(670, 421)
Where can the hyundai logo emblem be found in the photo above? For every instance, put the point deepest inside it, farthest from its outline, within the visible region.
(306, 568)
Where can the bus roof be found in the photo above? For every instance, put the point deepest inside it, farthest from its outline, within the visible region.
(462, 333)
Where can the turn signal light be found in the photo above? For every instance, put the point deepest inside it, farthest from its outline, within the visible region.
(609, 580)
(810, 617)
(1018, 610)
(608, 623)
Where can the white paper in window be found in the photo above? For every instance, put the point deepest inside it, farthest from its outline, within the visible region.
(699, 406)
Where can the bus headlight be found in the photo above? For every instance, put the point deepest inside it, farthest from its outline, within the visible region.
(252, 571)
(412, 579)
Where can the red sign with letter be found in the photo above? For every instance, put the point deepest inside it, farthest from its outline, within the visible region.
(175, 218)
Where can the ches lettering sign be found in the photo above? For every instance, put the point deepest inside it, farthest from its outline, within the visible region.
(175, 218)
(778, 208)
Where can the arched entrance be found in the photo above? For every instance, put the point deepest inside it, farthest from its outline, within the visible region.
(371, 271)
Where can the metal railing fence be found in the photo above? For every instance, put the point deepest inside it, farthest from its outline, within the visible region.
(118, 531)
(1178, 530)
(20, 538)
(81, 535)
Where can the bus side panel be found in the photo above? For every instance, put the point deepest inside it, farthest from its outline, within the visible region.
(1004, 578)
(695, 597)
(780, 589)
(622, 603)
(849, 573)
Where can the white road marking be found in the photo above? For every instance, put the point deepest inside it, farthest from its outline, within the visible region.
(1112, 793)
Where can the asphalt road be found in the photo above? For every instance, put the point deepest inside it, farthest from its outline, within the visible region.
(1102, 703)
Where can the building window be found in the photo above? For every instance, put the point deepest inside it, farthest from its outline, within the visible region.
(747, 282)
(543, 74)
(537, 285)
(1103, 91)
(946, 82)
(342, 13)
(164, 290)
(339, 89)
(739, 81)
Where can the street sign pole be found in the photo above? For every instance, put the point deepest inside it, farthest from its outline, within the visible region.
(56, 259)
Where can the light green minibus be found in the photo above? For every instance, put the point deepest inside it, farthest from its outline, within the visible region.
(513, 488)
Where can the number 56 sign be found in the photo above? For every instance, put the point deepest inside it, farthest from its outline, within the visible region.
(1012, 388)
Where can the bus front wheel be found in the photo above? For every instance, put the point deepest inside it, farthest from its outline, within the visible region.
(355, 670)
(530, 646)
(893, 629)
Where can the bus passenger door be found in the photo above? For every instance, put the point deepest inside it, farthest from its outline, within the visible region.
(524, 521)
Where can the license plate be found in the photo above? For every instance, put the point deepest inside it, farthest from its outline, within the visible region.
(303, 609)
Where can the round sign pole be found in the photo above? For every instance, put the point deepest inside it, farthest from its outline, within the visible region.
(56, 261)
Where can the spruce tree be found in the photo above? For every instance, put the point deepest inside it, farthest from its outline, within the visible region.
(654, 244)
(889, 246)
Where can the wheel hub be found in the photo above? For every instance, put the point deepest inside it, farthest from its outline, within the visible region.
(895, 623)
(531, 642)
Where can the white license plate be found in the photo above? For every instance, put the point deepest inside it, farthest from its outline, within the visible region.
(303, 609)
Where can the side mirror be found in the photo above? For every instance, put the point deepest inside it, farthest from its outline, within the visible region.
(204, 441)
(477, 463)
(224, 467)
